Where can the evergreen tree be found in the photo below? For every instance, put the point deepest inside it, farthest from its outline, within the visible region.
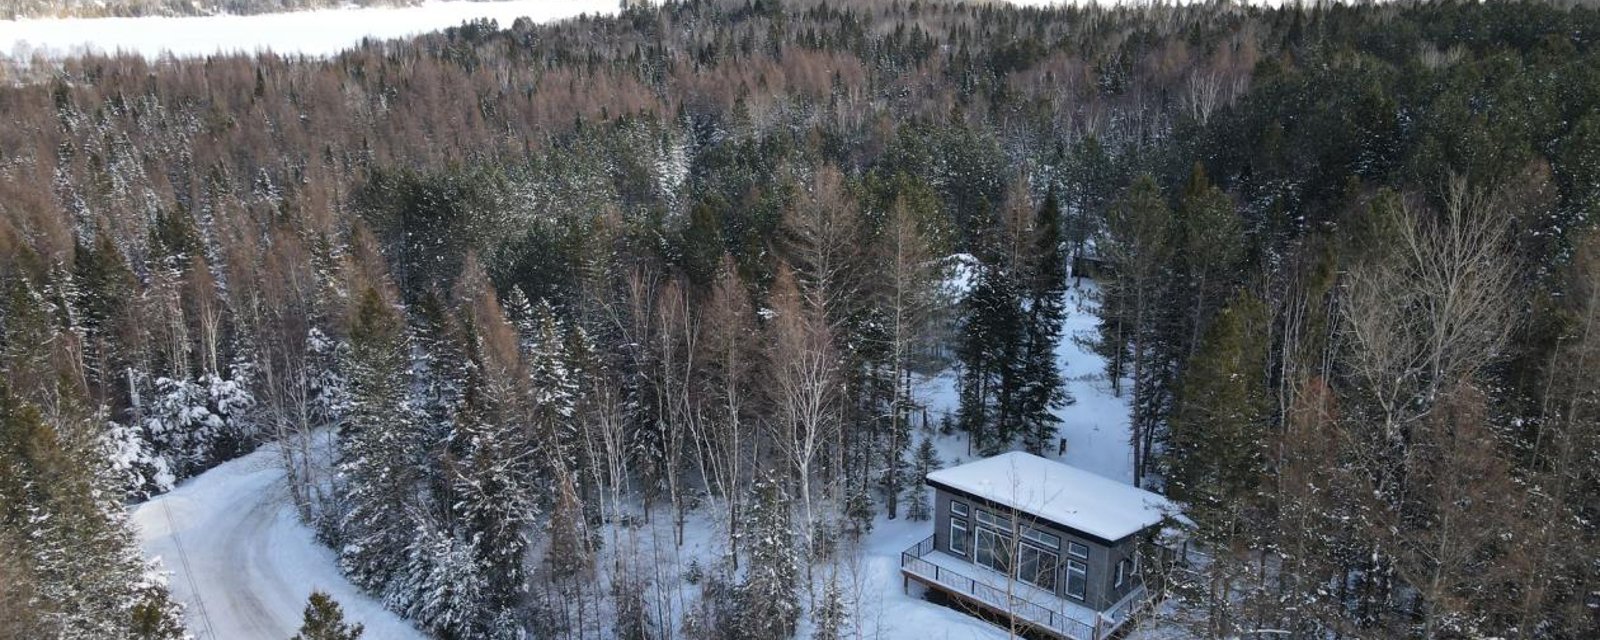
(554, 417)
(1041, 391)
(831, 618)
(442, 585)
(1138, 243)
(769, 605)
(439, 375)
(77, 551)
(987, 349)
(494, 480)
(1215, 448)
(105, 288)
(927, 462)
(1211, 246)
(378, 446)
(493, 441)
(1091, 182)
(155, 616)
(908, 298)
(324, 620)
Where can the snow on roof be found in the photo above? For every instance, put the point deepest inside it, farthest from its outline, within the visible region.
(1060, 493)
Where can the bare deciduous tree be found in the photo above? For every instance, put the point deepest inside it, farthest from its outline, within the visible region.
(1435, 307)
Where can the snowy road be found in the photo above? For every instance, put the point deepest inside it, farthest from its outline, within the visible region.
(242, 562)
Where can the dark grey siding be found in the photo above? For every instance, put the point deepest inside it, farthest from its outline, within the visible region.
(1100, 592)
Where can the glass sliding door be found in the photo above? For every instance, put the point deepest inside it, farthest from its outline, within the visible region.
(993, 551)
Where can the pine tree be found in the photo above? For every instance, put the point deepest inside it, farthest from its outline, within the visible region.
(378, 446)
(768, 601)
(1208, 256)
(1138, 243)
(324, 620)
(1215, 448)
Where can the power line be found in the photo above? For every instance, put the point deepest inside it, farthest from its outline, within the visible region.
(188, 572)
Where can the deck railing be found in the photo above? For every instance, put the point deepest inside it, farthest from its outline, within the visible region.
(1021, 608)
(1112, 618)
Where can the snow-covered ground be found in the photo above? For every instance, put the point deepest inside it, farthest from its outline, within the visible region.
(1095, 425)
(1096, 429)
(312, 33)
(242, 562)
(252, 563)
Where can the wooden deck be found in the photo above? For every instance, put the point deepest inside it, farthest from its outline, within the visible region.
(1025, 604)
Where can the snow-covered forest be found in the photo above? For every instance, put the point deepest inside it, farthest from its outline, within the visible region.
(649, 325)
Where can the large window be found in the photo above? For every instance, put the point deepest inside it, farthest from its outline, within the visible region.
(1037, 567)
(992, 551)
(1077, 579)
(959, 538)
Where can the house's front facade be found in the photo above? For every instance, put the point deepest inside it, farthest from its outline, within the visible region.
(1054, 547)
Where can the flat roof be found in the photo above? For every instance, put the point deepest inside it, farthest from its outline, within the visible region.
(1059, 493)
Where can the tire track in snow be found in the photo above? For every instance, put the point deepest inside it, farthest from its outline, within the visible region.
(252, 561)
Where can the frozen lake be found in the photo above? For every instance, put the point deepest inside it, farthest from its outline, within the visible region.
(314, 33)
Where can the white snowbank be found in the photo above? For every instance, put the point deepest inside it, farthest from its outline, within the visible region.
(247, 564)
(313, 33)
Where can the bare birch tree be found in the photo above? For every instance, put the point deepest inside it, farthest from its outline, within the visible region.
(804, 381)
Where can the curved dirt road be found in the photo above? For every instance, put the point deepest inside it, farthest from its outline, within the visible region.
(240, 560)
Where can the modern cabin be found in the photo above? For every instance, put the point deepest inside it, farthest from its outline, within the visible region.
(1051, 546)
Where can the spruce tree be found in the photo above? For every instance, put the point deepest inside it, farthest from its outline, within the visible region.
(106, 289)
(494, 480)
(927, 462)
(1041, 390)
(439, 373)
(988, 350)
(496, 453)
(77, 551)
(324, 620)
(1208, 256)
(378, 446)
(831, 619)
(555, 394)
(769, 605)
(1138, 243)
